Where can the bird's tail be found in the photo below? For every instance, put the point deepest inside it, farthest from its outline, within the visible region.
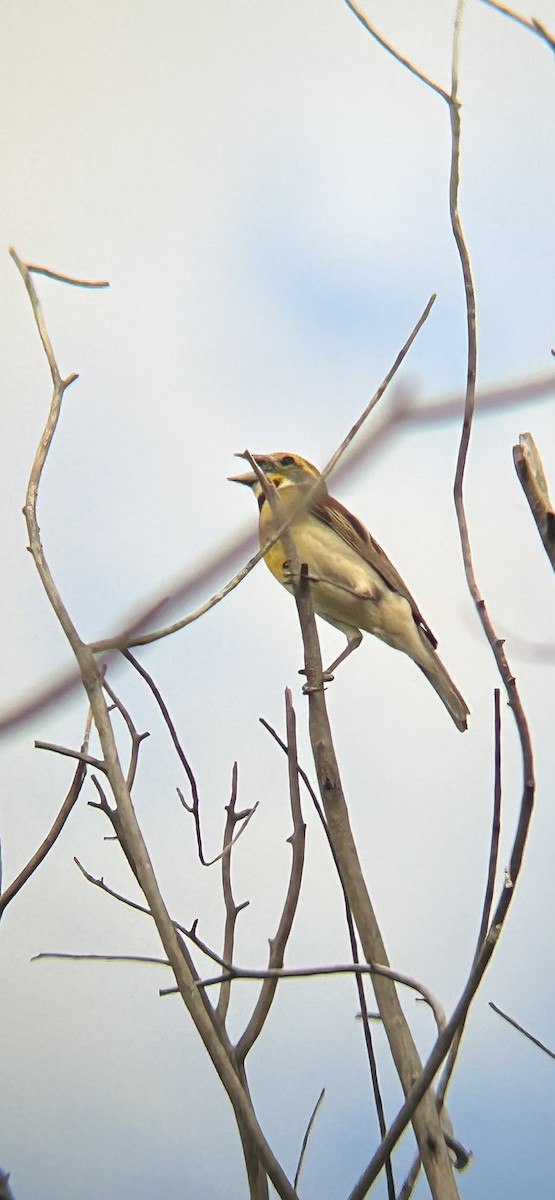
(435, 671)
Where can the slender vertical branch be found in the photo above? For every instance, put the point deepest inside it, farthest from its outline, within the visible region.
(232, 909)
(279, 942)
(426, 1122)
(372, 1063)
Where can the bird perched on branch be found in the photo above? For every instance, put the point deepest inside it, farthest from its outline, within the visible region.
(352, 583)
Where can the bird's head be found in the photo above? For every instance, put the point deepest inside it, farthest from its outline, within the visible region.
(283, 469)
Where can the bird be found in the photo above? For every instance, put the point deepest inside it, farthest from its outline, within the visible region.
(353, 585)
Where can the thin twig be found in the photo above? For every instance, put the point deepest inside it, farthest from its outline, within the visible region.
(60, 384)
(233, 971)
(232, 909)
(66, 751)
(191, 933)
(308, 1132)
(35, 269)
(521, 1029)
(194, 809)
(449, 1066)
(136, 738)
(400, 58)
(127, 958)
(532, 24)
(383, 385)
(495, 821)
(53, 834)
(278, 943)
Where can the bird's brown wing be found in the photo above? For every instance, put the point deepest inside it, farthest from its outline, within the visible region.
(334, 514)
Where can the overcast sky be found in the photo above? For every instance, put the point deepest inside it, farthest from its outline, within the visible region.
(267, 192)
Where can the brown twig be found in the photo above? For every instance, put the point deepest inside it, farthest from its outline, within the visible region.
(449, 1067)
(120, 958)
(382, 387)
(233, 971)
(307, 1134)
(279, 942)
(232, 909)
(400, 58)
(136, 738)
(67, 752)
(532, 24)
(364, 1015)
(521, 1029)
(54, 832)
(193, 808)
(495, 822)
(35, 269)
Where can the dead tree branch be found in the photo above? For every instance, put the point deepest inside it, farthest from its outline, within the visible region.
(56, 829)
(529, 468)
(521, 1029)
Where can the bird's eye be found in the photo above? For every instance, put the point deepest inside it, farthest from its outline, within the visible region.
(287, 461)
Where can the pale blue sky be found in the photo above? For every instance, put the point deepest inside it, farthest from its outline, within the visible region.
(266, 190)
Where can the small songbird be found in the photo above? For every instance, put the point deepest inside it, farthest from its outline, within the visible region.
(352, 583)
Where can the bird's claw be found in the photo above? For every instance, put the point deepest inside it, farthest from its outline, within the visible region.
(316, 687)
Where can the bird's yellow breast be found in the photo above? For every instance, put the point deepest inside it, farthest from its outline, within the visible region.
(274, 558)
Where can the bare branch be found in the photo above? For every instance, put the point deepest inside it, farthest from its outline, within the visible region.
(521, 1029)
(232, 909)
(35, 269)
(495, 822)
(400, 58)
(383, 385)
(60, 384)
(279, 942)
(364, 1015)
(55, 830)
(120, 958)
(532, 24)
(232, 971)
(136, 738)
(308, 1132)
(67, 752)
(529, 468)
(449, 1067)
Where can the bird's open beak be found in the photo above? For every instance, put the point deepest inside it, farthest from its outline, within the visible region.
(249, 478)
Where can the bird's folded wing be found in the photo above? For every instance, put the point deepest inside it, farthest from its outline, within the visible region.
(338, 518)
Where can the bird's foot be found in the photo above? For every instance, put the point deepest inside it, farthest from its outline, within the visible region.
(316, 687)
